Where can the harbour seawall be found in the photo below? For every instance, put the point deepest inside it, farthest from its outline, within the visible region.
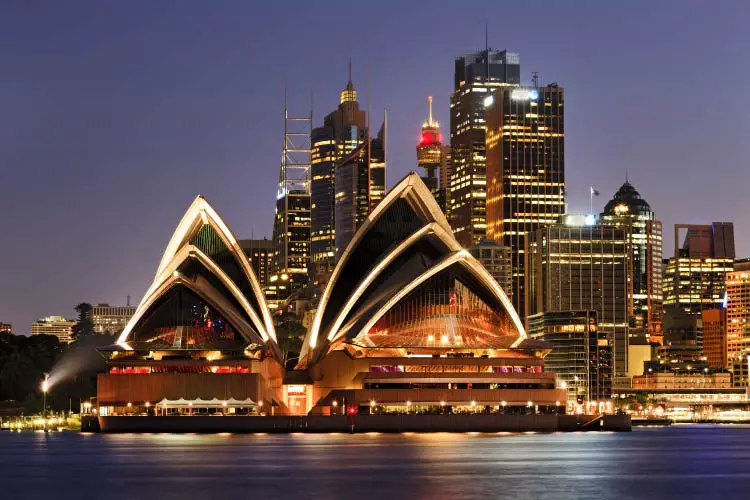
(367, 423)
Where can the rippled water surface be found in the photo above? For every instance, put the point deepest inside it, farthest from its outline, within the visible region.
(678, 462)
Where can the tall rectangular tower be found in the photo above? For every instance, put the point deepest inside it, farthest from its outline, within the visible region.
(476, 75)
(695, 278)
(738, 312)
(628, 208)
(525, 170)
(344, 130)
(360, 186)
(291, 228)
(578, 267)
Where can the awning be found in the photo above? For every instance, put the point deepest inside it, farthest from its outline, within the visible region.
(206, 403)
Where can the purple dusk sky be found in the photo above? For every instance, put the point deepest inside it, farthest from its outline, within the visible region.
(114, 115)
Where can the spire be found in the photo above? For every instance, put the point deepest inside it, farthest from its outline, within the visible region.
(429, 99)
(349, 94)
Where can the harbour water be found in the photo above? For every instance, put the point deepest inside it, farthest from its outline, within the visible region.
(682, 462)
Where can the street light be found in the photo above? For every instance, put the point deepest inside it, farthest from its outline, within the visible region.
(45, 388)
(335, 404)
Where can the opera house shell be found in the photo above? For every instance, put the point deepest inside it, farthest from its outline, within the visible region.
(410, 321)
(201, 333)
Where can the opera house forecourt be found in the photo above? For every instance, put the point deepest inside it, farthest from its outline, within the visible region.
(410, 333)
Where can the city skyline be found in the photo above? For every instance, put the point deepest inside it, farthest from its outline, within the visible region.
(107, 145)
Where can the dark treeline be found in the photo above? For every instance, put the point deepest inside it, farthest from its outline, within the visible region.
(73, 368)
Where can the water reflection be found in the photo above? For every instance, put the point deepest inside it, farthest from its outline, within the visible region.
(679, 462)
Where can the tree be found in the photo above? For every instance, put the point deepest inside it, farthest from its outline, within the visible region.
(290, 334)
(85, 326)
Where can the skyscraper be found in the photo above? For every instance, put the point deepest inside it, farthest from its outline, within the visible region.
(260, 255)
(430, 152)
(575, 267)
(496, 259)
(695, 278)
(581, 355)
(627, 208)
(525, 170)
(738, 311)
(343, 131)
(715, 348)
(476, 74)
(291, 228)
(360, 186)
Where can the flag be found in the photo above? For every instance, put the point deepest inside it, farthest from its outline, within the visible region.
(594, 192)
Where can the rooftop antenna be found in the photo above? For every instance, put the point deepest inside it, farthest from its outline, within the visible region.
(369, 144)
(626, 175)
(429, 100)
(487, 46)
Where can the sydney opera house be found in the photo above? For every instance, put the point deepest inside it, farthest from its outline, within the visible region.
(409, 322)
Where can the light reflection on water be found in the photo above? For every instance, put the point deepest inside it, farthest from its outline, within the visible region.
(679, 462)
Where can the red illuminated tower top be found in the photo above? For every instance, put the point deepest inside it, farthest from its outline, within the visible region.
(430, 150)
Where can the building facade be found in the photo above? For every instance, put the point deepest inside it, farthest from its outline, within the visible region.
(581, 356)
(360, 186)
(54, 325)
(110, 319)
(260, 254)
(714, 323)
(695, 278)
(292, 215)
(6, 328)
(476, 75)
(738, 312)
(496, 259)
(344, 130)
(628, 208)
(201, 341)
(525, 170)
(583, 268)
(410, 321)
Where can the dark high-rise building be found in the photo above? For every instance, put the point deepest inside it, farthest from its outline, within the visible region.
(578, 267)
(581, 356)
(695, 278)
(627, 208)
(344, 130)
(525, 170)
(360, 186)
(260, 255)
(496, 259)
(475, 76)
(715, 338)
(291, 226)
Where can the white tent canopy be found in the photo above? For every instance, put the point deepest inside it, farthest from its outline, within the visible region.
(206, 403)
